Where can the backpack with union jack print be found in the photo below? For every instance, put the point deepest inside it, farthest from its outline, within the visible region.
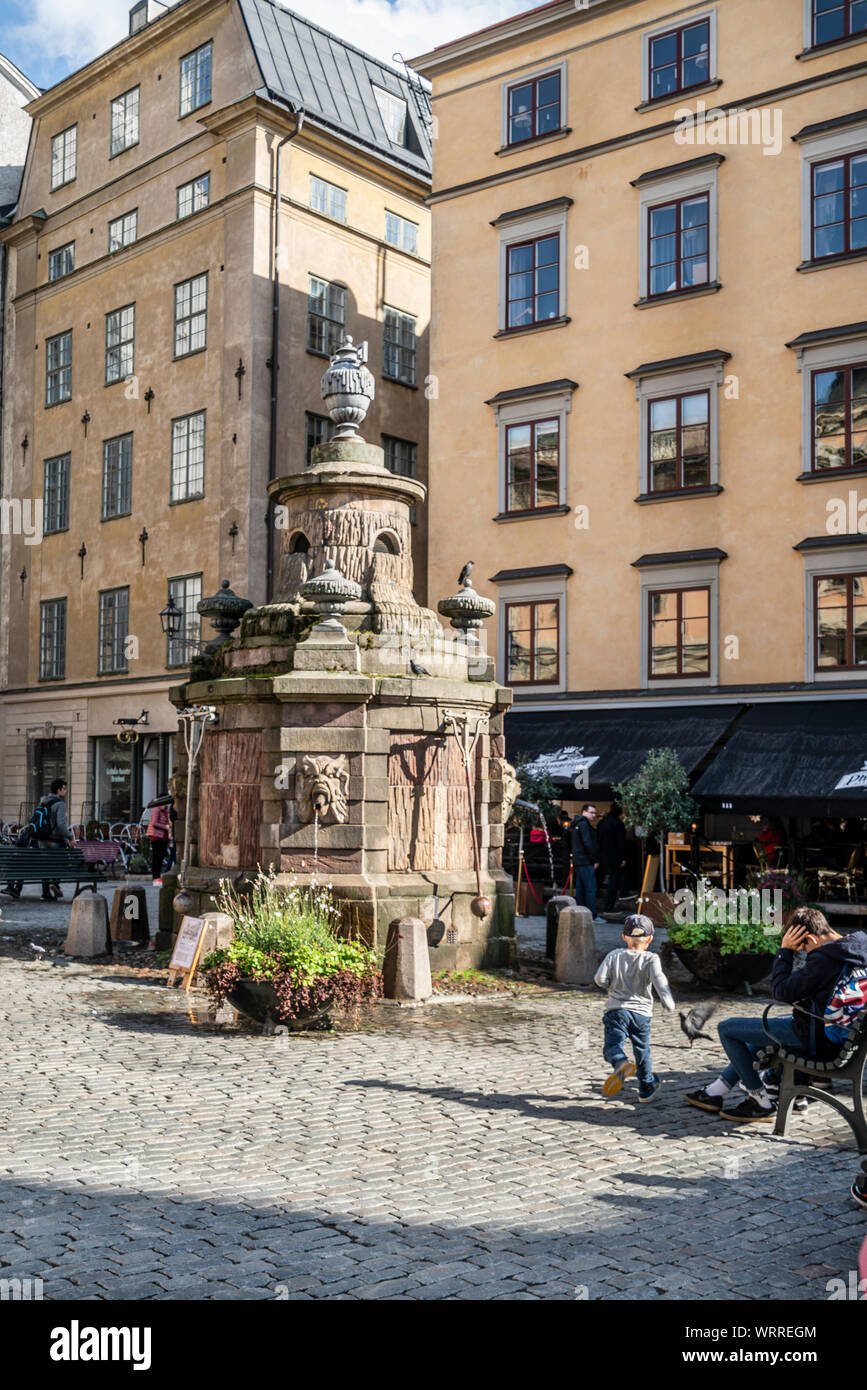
(846, 1003)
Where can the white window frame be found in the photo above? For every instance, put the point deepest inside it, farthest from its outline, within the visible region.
(52, 639)
(129, 124)
(69, 136)
(403, 224)
(402, 348)
(819, 357)
(179, 649)
(690, 184)
(683, 22)
(196, 187)
(534, 225)
(544, 590)
(835, 560)
(315, 316)
(330, 189)
(193, 318)
(117, 476)
(815, 150)
(678, 382)
(544, 405)
(699, 574)
(389, 440)
(68, 246)
(124, 239)
(120, 354)
(390, 97)
(118, 634)
(183, 493)
(185, 109)
(62, 371)
(517, 80)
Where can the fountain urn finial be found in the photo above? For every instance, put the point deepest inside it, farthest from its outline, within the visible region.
(466, 609)
(348, 387)
(330, 592)
(225, 610)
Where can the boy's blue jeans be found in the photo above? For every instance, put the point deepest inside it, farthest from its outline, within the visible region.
(623, 1024)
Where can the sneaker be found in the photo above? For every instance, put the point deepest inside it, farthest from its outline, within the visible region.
(648, 1089)
(157, 883)
(749, 1110)
(702, 1101)
(800, 1104)
(859, 1195)
(771, 1081)
(614, 1083)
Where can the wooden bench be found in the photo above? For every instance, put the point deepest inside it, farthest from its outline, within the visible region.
(848, 1065)
(49, 866)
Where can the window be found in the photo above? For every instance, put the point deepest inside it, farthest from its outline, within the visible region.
(64, 154)
(318, 431)
(679, 443)
(55, 501)
(123, 230)
(841, 621)
(679, 633)
(62, 261)
(191, 315)
(533, 108)
(834, 20)
(119, 344)
(839, 201)
(188, 457)
(532, 465)
(533, 643)
(533, 281)
(399, 347)
(113, 630)
(125, 121)
(187, 594)
(679, 59)
(678, 242)
(393, 112)
(117, 477)
(58, 368)
(326, 316)
(52, 639)
(840, 418)
(196, 79)
(328, 198)
(401, 456)
(194, 196)
(399, 231)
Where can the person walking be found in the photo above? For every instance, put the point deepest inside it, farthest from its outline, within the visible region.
(50, 830)
(612, 854)
(585, 857)
(630, 974)
(159, 832)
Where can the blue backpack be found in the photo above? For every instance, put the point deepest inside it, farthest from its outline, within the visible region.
(846, 1003)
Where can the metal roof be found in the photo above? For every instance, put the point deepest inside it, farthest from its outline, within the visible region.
(335, 83)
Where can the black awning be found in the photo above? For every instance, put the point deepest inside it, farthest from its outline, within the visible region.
(614, 742)
(794, 757)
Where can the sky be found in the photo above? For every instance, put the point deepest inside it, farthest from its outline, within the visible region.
(48, 39)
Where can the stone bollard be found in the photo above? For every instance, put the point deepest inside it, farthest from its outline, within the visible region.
(129, 915)
(577, 960)
(406, 968)
(88, 933)
(552, 914)
(218, 932)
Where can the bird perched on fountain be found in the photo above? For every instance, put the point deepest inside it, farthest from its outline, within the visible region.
(464, 576)
(417, 668)
(692, 1023)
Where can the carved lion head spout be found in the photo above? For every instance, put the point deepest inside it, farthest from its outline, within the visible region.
(322, 787)
(511, 788)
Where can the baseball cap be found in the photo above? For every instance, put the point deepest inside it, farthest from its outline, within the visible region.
(637, 925)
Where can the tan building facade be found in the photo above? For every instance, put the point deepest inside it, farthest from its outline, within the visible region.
(142, 330)
(658, 385)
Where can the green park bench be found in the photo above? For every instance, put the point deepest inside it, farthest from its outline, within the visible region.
(49, 866)
(848, 1065)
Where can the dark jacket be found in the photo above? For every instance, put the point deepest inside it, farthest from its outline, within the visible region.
(811, 988)
(585, 846)
(612, 841)
(57, 811)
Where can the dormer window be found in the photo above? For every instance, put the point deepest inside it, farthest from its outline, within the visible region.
(392, 109)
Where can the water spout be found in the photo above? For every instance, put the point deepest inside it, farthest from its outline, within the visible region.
(316, 839)
(532, 806)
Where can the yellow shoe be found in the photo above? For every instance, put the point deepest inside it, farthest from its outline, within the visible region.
(614, 1084)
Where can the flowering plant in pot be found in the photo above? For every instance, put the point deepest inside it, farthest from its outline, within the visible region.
(286, 962)
(724, 939)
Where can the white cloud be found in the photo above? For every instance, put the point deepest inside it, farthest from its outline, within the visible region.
(65, 34)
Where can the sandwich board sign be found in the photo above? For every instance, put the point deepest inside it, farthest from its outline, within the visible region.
(188, 948)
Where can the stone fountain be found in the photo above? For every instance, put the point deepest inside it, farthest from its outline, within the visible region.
(332, 755)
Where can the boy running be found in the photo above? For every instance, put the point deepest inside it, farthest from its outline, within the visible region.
(629, 974)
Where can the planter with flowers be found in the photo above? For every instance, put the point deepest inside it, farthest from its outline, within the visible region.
(715, 948)
(286, 963)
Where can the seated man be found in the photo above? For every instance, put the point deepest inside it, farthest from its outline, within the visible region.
(828, 955)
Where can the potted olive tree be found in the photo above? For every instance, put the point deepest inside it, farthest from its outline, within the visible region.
(287, 963)
(657, 800)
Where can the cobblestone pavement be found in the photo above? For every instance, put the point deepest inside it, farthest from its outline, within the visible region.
(454, 1151)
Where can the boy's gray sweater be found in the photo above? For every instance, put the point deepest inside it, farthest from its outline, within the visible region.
(628, 977)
